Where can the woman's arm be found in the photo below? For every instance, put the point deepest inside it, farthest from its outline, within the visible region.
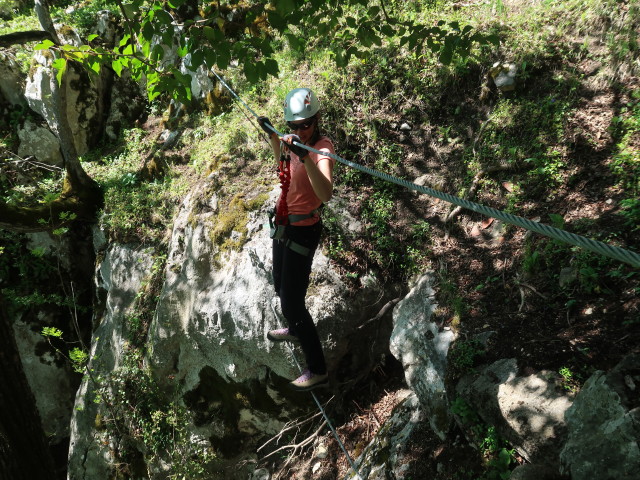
(274, 140)
(321, 177)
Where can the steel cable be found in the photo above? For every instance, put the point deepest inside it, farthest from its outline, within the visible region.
(618, 253)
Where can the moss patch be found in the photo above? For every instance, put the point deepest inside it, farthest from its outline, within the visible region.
(229, 231)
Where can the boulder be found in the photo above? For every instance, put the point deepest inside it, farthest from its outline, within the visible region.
(528, 411)
(504, 75)
(421, 346)
(201, 84)
(49, 376)
(39, 142)
(604, 426)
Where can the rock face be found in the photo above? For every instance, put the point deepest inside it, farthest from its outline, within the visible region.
(528, 411)
(604, 426)
(208, 337)
(388, 451)
(422, 348)
(85, 106)
(127, 105)
(119, 278)
(11, 87)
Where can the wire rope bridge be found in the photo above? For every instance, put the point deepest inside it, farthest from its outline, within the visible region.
(612, 251)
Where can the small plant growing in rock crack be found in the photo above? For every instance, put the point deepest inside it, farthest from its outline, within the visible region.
(570, 381)
(463, 355)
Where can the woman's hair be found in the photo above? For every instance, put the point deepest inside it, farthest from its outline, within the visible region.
(316, 130)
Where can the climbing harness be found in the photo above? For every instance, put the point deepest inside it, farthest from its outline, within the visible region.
(280, 217)
(324, 414)
(618, 253)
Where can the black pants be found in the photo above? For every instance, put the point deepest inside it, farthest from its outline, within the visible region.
(291, 273)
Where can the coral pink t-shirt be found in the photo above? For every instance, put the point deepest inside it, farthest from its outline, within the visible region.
(301, 198)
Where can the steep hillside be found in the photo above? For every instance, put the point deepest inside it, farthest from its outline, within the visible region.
(561, 146)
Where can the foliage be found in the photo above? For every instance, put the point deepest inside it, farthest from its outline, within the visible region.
(77, 357)
(463, 356)
(142, 419)
(136, 208)
(498, 457)
(154, 28)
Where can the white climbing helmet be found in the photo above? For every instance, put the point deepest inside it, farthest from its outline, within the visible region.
(300, 104)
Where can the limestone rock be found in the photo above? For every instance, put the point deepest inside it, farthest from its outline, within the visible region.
(85, 106)
(388, 454)
(39, 142)
(50, 380)
(530, 471)
(604, 431)
(504, 75)
(11, 86)
(119, 277)
(422, 348)
(106, 27)
(128, 103)
(219, 315)
(528, 411)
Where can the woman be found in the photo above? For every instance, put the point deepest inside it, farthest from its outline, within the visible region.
(297, 226)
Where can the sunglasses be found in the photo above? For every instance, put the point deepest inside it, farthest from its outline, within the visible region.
(301, 126)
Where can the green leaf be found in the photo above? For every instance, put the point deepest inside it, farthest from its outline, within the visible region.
(163, 18)
(167, 36)
(197, 59)
(277, 21)
(60, 64)
(44, 45)
(213, 35)
(295, 42)
(183, 78)
(52, 332)
(223, 57)
(157, 54)
(209, 58)
(271, 66)
(176, 3)
(387, 30)
(92, 37)
(351, 22)
(95, 66)
(285, 7)
(557, 220)
(446, 54)
(130, 10)
(250, 72)
(148, 31)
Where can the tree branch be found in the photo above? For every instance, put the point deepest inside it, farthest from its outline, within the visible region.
(14, 38)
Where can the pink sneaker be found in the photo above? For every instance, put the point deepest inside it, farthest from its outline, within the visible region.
(281, 335)
(309, 381)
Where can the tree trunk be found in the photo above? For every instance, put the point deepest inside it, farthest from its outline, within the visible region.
(77, 179)
(24, 453)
